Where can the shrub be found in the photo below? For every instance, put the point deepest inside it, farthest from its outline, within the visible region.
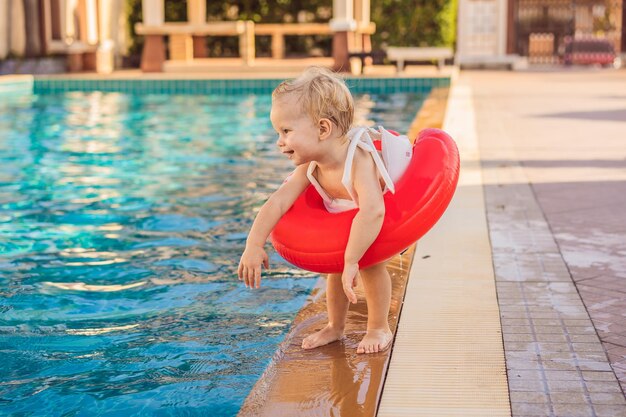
(398, 22)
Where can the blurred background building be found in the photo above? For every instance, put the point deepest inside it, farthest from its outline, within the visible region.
(85, 34)
(100, 35)
(504, 30)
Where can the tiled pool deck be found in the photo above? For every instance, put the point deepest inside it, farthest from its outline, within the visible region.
(524, 311)
(554, 168)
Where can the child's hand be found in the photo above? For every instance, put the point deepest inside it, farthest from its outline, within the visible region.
(348, 278)
(250, 265)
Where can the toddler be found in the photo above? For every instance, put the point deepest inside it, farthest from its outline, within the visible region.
(312, 115)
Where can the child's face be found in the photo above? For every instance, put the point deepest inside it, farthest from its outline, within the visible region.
(298, 136)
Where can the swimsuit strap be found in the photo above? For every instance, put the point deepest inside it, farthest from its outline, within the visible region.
(316, 184)
(360, 136)
(333, 205)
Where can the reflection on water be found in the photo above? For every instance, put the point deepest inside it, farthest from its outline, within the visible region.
(122, 218)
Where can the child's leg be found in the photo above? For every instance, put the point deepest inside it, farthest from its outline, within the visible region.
(377, 285)
(337, 305)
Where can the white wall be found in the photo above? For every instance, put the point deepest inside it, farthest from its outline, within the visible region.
(481, 30)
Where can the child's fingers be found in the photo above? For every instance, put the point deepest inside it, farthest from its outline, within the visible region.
(351, 295)
(250, 280)
(347, 289)
(245, 275)
(266, 262)
(240, 272)
(257, 277)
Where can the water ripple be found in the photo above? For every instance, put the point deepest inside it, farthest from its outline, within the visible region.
(122, 218)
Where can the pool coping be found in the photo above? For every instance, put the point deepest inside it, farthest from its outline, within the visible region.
(448, 358)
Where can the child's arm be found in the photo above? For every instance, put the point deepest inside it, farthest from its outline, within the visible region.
(367, 222)
(279, 202)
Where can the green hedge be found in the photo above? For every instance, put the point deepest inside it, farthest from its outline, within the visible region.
(398, 23)
(414, 23)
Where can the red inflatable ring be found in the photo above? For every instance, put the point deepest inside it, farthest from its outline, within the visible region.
(311, 238)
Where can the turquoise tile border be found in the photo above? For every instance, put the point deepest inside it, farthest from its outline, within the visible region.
(265, 86)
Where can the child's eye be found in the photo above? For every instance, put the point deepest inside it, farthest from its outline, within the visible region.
(285, 131)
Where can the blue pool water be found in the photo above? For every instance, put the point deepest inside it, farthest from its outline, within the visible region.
(122, 218)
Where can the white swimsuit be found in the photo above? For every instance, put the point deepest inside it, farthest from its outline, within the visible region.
(396, 153)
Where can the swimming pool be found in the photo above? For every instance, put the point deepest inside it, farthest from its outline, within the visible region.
(122, 218)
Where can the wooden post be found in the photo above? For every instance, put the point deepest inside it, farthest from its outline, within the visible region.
(343, 25)
(278, 45)
(153, 54)
(246, 43)
(33, 28)
(196, 14)
(181, 47)
(17, 24)
(362, 17)
(340, 52)
(511, 44)
(105, 51)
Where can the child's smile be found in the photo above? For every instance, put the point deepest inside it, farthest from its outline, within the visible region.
(298, 137)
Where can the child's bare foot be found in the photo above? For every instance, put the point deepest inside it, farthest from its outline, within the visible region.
(325, 336)
(375, 340)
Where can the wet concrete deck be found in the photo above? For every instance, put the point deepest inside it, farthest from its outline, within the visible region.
(553, 148)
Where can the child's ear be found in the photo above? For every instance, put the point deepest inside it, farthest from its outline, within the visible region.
(325, 128)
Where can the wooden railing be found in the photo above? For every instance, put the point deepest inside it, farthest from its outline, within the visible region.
(181, 35)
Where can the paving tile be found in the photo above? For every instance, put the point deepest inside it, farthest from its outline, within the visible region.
(565, 385)
(576, 323)
(581, 330)
(534, 415)
(529, 397)
(534, 385)
(583, 338)
(523, 364)
(603, 386)
(588, 347)
(598, 376)
(518, 337)
(523, 346)
(568, 357)
(517, 329)
(569, 398)
(561, 338)
(546, 347)
(607, 398)
(548, 329)
(524, 375)
(530, 409)
(562, 375)
(591, 356)
(573, 410)
(555, 268)
(521, 355)
(610, 411)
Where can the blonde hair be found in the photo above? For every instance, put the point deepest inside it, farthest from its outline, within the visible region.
(322, 94)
